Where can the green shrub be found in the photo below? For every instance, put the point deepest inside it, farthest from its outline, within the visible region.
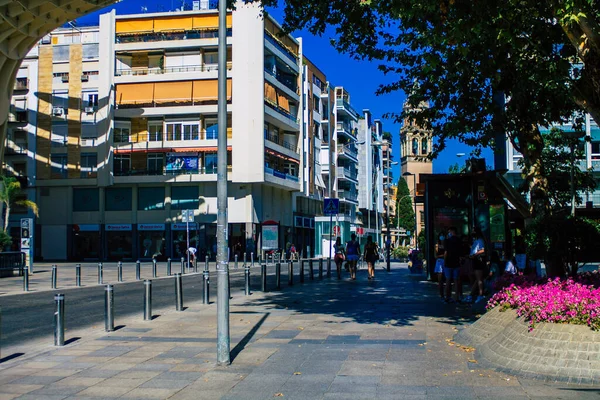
(400, 252)
(5, 240)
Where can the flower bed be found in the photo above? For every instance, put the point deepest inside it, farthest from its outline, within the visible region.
(571, 301)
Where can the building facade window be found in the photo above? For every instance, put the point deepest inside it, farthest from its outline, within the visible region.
(424, 146)
(156, 163)
(121, 132)
(184, 198)
(122, 164)
(89, 165)
(58, 136)
(415, 147)
(151, 198)
(118, 199)
(211, 127)
(90, 99)
(210, 163)
(86, 199)
(58, 165)
(155, 131)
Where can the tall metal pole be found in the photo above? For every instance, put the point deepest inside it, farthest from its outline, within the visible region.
(223, 338)
(572, 179)
(415, 209)
(388, 240)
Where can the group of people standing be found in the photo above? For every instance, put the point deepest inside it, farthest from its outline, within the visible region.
(351, 252)
(454, 259)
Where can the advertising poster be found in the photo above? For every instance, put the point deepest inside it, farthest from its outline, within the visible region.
(270, 237)
(181, 162)
(497, 232)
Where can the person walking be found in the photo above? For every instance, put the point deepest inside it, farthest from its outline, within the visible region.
(340, 256)
(371, 255)
(439, 263)
(353, 254)
(477, 256)
(452, 254)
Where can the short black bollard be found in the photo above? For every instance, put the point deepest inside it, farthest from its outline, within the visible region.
(301, 271)
(252, 258)
(138, 270)
(100, 273)
(78, 275)
(154, 269)
(168, 267)
(311, 271)
(54, 277)
(329, 268)
(290, 273)
(178, 292)
(26, 279)
(120, 271)
(247, 280)
(182, 266)
(206, 285)
(278, 275)
(320, 268)
(147, 300)
(59, 320)
(109, 309)
(263, 277)
(195, 264)
(235, 263)
(245, 260)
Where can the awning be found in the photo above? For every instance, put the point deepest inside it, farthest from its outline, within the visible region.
(138, 25)
(132, 93)
(283, 156)
(512, 195)
(172, 24)
(319, 181)
(270, 93)
(168, 150)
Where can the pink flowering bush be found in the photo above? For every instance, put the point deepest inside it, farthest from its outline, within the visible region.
(554, 300)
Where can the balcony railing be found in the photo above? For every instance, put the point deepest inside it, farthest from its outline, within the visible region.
(348, 195)
(18, 116)
(347, 173)
(275, 42)
(280, 174)
(164, 172)
(290, 84)
(340, 103)
(596, 165)
(282, 111)
(341, 127)
(208, 33)
(137, 71)
(347, 150)
(276, 139)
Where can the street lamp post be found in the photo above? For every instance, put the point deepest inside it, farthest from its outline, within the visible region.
(388, 241)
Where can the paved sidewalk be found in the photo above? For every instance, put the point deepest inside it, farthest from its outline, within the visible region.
(387, 339)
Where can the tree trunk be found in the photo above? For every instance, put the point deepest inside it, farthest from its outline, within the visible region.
(7, 216)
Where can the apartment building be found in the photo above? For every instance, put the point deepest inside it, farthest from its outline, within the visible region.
(368, 154)
(127, 128)
(341, 171)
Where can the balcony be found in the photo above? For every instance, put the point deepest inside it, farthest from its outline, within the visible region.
(343, 106)
(347, 174)
(143, 71)
(19, 117)
(281, 111)
(348, 195)
(345, 129)
(174, 102)
(288, 83)
(281, 47)
(208, 33)
(163, 172)
(348, 152)
(283, 143)
(16, 147)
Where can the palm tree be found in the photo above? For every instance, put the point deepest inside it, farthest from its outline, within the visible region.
(10, 192)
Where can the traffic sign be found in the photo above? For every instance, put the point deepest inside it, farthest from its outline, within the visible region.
(187, 216)
(331, 206)
(336, 230)
(360, 231)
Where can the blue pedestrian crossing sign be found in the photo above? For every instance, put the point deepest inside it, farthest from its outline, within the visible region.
(331, 206)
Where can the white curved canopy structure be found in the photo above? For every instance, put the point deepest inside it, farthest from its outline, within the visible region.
(22, 24)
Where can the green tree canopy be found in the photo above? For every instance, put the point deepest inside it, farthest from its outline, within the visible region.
(404, 209)
(486, 68)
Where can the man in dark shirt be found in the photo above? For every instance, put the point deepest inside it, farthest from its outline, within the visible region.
(452, 254)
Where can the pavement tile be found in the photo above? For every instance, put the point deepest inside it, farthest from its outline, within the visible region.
(42, 397)
(37, 380)
(18, 388)
(121, 382)
(55, 389)
(104, 391)
(9, 396)
(165, 384)
(150, 393)
(96, 373)
(79, 381)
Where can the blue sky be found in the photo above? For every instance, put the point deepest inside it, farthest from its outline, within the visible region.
(360, 78)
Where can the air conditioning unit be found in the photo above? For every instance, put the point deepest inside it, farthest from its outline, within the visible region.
(89, 110)
(58, 111)
(64, 78)
(85, 78)
(87, 142)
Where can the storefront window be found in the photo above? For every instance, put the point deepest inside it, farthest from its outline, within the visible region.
(152, 244)
(119, 242)
(86, 244)
(180, 240)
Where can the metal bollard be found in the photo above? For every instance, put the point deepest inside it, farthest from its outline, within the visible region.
(54, 277)
(109, 309)
(100, 273)
(278, 276)
(320, 268)
(206, 263)
(147, 300)
(154, 269)
(182, 268)
(290, 273)
(59, 320)
(78, 275)
(195, 264)
(245, 260)
(138, 268)
(206, 286)
(252, 258)
(178, 292)
(120, 271)
(301, 271)
(329, 268)
(168, 267)
(263, 277)
(235, 263)
(26, 279)
(311, 271)
(247, 280)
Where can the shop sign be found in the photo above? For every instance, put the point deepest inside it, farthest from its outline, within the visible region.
(151, 227)
(86, 228)
(183, 227)
(118, 227)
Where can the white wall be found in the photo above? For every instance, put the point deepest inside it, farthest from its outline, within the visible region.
(248, 94)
